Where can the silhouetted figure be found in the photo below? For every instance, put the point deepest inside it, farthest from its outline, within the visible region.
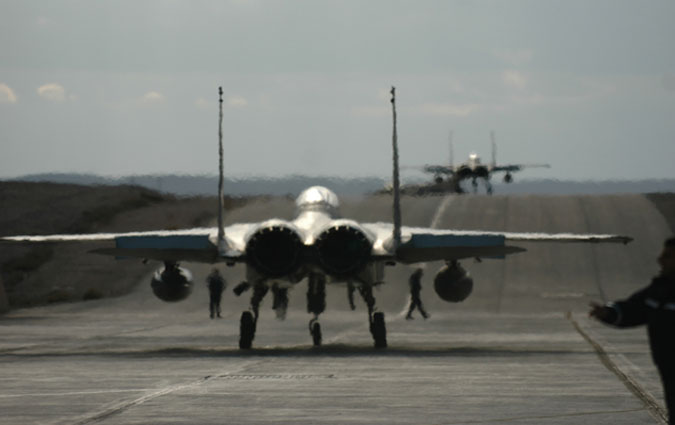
(280, 301)
(415, 282)
(655, 307)
(350, 295)
(216, 284)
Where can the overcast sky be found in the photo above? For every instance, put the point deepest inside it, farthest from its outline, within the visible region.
(130, 87)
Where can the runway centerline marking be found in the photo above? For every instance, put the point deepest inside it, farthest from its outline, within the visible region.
(441, 210)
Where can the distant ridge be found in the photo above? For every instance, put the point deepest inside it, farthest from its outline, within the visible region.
(185, 185)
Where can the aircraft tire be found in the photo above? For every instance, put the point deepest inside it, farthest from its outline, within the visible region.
(246, 330)
(316, 334)
(379, 330)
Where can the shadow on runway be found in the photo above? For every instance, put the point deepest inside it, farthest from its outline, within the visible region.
(329, 350)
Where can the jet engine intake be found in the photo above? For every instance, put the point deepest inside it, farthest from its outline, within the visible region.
(452, 283)
(172, 283)
(463, 172)
(274, 251)
(481, 172)
(343, 250)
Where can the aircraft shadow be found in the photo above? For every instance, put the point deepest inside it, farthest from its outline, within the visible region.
(328, 350)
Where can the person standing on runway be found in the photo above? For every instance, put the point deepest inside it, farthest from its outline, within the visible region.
(655, 307)
(217, 285)
(415, 282)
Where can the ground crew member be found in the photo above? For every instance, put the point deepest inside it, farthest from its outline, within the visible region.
(655, 307)
(415, 282)
(350, 295)
(217, 285)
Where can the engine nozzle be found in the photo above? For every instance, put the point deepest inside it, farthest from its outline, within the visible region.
(274, 251)
(343, 250)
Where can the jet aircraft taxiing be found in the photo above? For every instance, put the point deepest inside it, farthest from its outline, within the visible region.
(474, 170)
(317, 246)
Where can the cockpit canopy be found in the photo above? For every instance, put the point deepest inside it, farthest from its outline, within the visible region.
(317, 197)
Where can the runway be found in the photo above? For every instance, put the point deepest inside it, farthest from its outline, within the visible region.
(519, 350)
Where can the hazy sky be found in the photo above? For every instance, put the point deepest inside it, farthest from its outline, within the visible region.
(130, 87)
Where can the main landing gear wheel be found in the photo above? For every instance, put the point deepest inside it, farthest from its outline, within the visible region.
(378, 330)
(246, 330)
(315, 331)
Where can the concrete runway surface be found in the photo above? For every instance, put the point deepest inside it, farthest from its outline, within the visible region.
(520, 350)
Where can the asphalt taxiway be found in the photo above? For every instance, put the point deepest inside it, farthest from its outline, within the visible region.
(519, 350)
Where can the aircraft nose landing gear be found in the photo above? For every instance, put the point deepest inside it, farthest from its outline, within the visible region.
(378, 330)
(246, 330)
(315, 331)
(316, 304)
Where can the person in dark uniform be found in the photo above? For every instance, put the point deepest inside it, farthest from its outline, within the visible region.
(655, 307)
(415, 282)
(217, 285)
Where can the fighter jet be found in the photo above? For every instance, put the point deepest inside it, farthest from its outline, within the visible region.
(474, 169)
(318, 246)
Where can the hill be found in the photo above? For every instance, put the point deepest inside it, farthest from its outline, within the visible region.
(39, 274)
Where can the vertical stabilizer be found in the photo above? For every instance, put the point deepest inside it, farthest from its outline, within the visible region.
(396, 237)
(494, 149)
(221, 200)
(451, 147)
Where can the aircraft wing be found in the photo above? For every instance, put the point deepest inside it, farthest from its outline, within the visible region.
(439, 169)
(420, 244)
(518, 167)
(198, 244)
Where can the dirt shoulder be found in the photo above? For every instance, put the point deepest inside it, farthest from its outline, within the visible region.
(46, 273)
